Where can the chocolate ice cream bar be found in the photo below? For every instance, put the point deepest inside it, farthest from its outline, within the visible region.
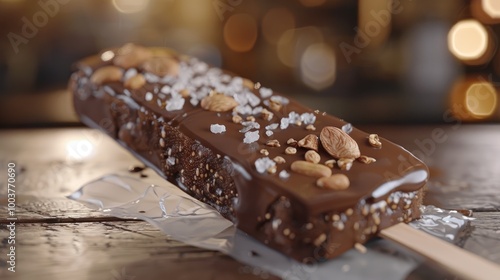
(303, 182)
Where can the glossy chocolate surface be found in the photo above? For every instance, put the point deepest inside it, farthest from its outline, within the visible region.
(147, 120)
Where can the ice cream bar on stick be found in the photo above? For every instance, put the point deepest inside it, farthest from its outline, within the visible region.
(301, 181)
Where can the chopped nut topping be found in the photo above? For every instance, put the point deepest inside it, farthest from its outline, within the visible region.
(330, 163)
(273, 143)
(366, 159)
(248, 83)
(309, 142)
(338, 143)
(310, 127)
(264, 152)
(274, 105)
(335, 182)
(106, 74)
(135, 82)
(374, 141)
(218, 103)
(319, 240)
(310, 169)
(290, 151)
(312, 156)
(272, 169)
(345, 163)
(279, 159)
(266, 114)
(256, 85)
(250, 118)
(237, 119)
(292, 142)
(184, 93)
(360, 247)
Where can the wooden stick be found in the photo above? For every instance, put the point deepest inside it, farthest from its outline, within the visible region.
(462, 263)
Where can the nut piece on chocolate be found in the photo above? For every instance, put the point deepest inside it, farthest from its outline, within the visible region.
(230, 143)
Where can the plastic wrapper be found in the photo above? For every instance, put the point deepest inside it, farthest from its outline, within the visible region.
(187, 220)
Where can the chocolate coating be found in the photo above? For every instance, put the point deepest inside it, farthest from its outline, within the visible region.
(292, 214)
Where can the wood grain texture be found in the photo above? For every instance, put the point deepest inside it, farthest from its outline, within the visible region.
(112, 250)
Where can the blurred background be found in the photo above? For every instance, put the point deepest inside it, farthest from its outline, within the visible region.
(367, 61)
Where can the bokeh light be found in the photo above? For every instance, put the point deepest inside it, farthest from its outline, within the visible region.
(275, 22)
(491, 7)
(469, 41)
(130, 6)
(240, 32)
(318, 66)
(294, 42)
(473, 98)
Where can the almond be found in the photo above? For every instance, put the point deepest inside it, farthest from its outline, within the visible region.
(135, 82)
(218, 103)
(131, 55)
(248, 83)
(310, 169)
(338, 143)
(161, 66)
(106, 74)
(309, 142)
(335, 182)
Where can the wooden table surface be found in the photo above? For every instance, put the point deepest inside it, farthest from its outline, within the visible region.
(57, 238)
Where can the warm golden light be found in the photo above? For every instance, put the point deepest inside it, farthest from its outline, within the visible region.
(240, 32)
(275, 23)
(491, 8)
(130, 6)
(293, 43)
(468, 40)
(318, 66)
(481, 99)
(473, 99)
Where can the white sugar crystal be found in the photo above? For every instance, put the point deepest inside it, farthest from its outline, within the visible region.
(265, 92)
(127, 92)
(284, 174)
(308, 118)
(253, 99)
(171, 161)
(151, 78)
(244, 110)
(217, 128)
(269, 133)
(251, 137)
(200, 67)
(225, 78)
(249, 126)
(129, 74)
(257, 110)
(166, 89)
(263, 164)
(284, 123)
(280, 99)
(241, 98)
(175, 104)
(148, 96)
(293, 117)
(194, 101)
(272, 126)
(347, 128)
